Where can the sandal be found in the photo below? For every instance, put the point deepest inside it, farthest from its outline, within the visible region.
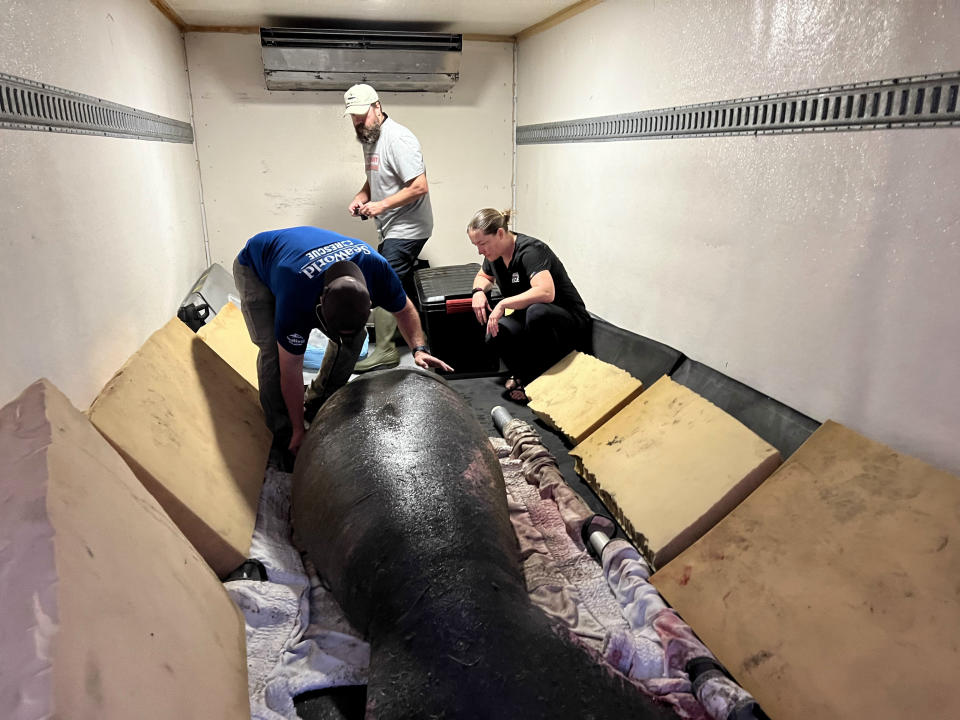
(515, 392)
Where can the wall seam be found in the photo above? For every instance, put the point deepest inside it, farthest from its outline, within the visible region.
(196, 155)
(513, 133)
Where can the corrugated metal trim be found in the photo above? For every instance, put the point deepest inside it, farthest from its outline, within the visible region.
(921, 101)
(29, 105)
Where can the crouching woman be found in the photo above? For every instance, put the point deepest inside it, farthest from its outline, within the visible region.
(541, 317)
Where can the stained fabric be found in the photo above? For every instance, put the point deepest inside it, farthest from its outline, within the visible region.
(653, 624)
(640, 636)
(562, 579)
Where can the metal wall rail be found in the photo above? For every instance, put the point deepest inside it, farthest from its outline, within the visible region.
(29, 105)
(923, 101)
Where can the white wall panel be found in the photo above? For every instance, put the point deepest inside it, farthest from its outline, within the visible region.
(101, 237)
(820, 269)
(279, 159)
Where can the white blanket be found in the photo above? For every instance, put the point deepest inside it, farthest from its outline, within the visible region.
(297, 637)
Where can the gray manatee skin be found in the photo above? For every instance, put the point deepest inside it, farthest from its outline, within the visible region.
(399, 501)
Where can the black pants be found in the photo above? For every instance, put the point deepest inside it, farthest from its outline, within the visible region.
(402, 254)
(531, 340)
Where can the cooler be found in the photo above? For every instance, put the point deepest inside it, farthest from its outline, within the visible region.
(453, 332)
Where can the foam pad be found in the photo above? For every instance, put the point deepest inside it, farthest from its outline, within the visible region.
(780, 425)
(227, 335)
(192, 430)
(108, 611)
(670, 465)
(580, 393)
(833, 591)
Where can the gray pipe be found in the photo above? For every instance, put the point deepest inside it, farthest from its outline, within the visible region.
(501, 416)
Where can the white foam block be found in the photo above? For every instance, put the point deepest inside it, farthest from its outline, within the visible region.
(192, 430)
(227, 335)
(670, 465)
(833, 591)
(108, 611)
(580, 393)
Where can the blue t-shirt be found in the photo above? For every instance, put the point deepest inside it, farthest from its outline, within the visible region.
(292, 263)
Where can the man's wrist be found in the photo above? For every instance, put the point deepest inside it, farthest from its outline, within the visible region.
(421, 348)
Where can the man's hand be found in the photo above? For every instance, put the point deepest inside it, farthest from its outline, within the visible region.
(493, 321)
(354, 207)
(372, 208)
(427, 361)
(297, 440)
(480, 306)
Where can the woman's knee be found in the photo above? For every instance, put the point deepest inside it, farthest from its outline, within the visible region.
(544, 317)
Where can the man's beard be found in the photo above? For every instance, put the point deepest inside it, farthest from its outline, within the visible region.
(367, 136)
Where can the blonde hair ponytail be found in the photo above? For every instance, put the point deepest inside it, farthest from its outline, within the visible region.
(488, 221)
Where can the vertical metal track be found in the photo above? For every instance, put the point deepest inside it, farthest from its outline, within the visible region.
(915, 102)
(29, 105)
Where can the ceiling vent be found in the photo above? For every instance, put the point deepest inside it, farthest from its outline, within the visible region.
(303, 59)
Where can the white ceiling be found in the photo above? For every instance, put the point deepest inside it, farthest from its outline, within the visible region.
(484, 17)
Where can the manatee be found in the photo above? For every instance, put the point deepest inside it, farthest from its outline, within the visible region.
(399, 501)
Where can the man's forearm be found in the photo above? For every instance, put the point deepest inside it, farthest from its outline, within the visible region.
(408, 322)
(291, 385)
(364, 194)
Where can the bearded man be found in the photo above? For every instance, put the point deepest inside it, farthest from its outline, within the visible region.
(396, 195)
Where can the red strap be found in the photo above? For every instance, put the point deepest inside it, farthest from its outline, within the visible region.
(459, 306)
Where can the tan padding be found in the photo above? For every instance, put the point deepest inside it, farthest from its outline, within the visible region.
(192, 430)
(227, 335)
(108, 611)
(580, 393)
(670, 465)
(833, 591)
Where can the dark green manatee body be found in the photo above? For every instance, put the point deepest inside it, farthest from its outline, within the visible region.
(399, 501)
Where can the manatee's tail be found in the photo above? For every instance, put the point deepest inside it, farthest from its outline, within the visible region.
(525, 667)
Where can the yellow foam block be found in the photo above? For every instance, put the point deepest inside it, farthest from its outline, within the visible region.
(227, 335)
(670, 465)
(108, 611)
(833, 591)
(192, 430)
(580, 393)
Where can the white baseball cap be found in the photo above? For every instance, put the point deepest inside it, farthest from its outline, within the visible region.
(359, 98)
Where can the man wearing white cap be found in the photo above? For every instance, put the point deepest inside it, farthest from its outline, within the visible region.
(396, 195)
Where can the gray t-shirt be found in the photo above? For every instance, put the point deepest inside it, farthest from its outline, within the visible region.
(394, 160)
